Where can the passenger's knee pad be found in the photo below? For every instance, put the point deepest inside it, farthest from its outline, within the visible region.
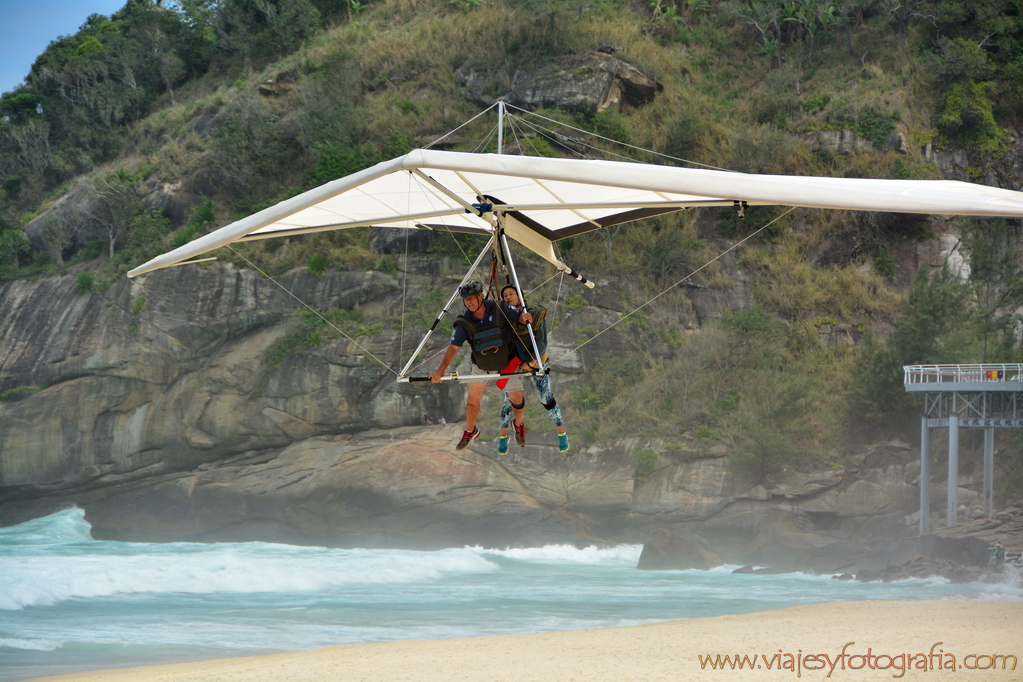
(551, 405)
(520, 405)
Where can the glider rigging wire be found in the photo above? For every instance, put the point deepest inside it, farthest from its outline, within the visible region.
(311, 309)
(640, 307)
(547, 134)
(455, 130)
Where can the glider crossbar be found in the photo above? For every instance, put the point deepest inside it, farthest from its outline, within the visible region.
(469, 208)
(616, 206)
(375, 222)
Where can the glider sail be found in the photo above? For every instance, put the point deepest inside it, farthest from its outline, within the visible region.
(537, 201)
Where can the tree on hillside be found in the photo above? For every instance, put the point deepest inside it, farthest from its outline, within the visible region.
(903, 12)
(84, 89)
(261, 28)
(773, 421)
(784, 22)
(114, 204)
(977, 53)
(680, 380)
(250, 147)
(996, 277)
(13, 249)
(754, 339)
(938, 326)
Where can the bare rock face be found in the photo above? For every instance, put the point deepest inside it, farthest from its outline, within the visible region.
(405, 487)
(878, 490)
(169, 370)
(65, 211)
(846, 141)
(665, 550)
(586, 83)
(842, 141)
(174, 200)
(781, 539)
(1004, 527)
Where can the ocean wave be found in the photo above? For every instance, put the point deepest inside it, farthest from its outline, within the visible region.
(64, 527)
(1009, 588)
(184, 568)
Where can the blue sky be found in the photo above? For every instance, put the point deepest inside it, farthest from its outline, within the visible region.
(28, 26)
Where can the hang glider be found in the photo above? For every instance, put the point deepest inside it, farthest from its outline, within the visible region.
(537, 201)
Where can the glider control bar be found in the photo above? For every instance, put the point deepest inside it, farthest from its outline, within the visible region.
(455, 376)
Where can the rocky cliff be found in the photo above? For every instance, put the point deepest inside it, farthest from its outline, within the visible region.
(167, 372)
(153, 406)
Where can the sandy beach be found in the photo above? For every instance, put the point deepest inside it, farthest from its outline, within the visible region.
(945, 640)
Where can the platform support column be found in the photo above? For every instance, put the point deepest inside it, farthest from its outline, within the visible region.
(925, 478)
(953, 470)
(989, 469)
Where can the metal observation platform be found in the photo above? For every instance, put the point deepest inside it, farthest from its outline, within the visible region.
(963, 397)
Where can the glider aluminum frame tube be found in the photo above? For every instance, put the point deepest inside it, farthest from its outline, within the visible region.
(454, 295)
(522, 299)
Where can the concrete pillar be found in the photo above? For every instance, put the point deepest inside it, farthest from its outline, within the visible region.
(953, 470)
(925, 478)
(989, 469)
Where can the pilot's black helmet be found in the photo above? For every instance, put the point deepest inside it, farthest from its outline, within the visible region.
(470, 288)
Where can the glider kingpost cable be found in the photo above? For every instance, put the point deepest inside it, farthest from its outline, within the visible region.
(455, 130)
(486, 140)
(613, 141)
(640, 307)
(311, 309)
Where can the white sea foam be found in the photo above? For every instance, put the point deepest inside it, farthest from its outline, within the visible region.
(29, 644)
(619, 554)
(1009, 588)
(201, 569)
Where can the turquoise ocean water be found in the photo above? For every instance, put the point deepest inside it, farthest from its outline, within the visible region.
(70, 603)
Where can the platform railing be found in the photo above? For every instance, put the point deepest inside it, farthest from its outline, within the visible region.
(936, 374)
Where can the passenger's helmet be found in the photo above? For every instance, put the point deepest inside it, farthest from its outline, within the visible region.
(470, 288)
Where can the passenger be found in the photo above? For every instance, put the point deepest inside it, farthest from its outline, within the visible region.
(541, 382)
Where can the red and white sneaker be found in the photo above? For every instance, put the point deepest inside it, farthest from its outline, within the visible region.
(468, 437)
(520, 434)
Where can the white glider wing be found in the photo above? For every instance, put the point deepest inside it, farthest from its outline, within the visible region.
(541, 200)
